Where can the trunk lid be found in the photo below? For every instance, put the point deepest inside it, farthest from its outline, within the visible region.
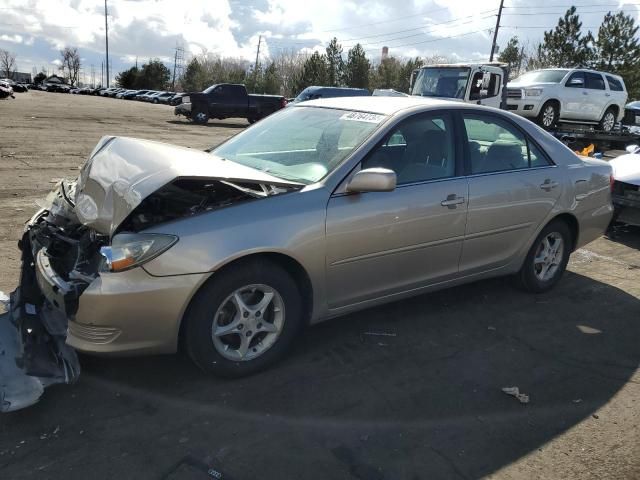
(121, 172)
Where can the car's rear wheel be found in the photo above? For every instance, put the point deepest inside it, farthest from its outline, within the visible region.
(200, 117)
(244, 320)
(608, 120)
(547, 259)
(549, 115)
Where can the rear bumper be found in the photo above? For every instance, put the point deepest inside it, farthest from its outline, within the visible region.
(627, 204)
(183, 109)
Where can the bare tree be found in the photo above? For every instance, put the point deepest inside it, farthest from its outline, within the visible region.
(7, 63)
(70, 64)
(288, 66)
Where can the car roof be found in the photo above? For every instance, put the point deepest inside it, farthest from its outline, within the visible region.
(379, 105)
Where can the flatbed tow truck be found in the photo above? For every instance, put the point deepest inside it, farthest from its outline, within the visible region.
(486, 84)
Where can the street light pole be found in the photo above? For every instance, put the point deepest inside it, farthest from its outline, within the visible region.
(106, 38)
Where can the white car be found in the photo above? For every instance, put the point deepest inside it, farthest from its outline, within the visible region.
(626, 186)
(571, 95)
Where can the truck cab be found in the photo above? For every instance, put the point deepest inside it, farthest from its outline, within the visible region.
(477, 83)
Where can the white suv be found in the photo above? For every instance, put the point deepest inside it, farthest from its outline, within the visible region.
(571, 95)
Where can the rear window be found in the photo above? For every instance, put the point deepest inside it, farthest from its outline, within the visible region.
(615, 84)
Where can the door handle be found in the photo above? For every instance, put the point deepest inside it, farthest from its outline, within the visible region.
(452, 200)
(548, 185)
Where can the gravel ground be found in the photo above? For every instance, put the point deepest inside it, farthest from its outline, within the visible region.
(423, 403)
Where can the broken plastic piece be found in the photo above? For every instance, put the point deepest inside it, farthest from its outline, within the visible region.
(515, 392)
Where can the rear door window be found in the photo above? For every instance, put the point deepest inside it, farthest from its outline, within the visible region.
(594, 81)
(495, 145)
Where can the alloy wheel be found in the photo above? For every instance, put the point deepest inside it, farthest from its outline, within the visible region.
(248, 322)
(548, 116)
(608, 121)
(548, 257)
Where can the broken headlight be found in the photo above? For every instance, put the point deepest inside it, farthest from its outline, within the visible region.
(129, 250)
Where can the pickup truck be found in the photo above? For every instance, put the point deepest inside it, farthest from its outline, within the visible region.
(228, 100)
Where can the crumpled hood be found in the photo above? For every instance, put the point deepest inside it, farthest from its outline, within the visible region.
(626, 168)
(122, 171)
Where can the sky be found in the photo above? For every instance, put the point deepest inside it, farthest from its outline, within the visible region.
(461, 30)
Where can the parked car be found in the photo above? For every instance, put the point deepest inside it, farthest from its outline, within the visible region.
(626, 186)
(6, 90)
(145, 97)
(632, 114)
(236, 249)
(108, 92)
(388, 92)
(315, 92)
(228, 100)
(131, 94)
(571, 95)
(17, 87)
(176, 99)
(163, 97)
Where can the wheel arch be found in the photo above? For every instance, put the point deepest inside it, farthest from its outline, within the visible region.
(572, 222)
(288, 263)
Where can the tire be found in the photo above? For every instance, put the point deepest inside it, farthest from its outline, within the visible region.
(215, 307)
(155, 100)
(200, 117)
(608, 120)
(549, 115)
(531, 276)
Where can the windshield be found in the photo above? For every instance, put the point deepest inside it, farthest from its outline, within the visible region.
(441, 82)
(542, 76)
(302, 144)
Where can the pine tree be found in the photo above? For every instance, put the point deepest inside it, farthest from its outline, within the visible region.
(513, 56)
(565, 46)
(357, 68)
(314, 72)
(335, 64)
(617, 46)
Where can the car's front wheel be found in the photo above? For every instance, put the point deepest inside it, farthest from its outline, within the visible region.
(608, 120)
(244, 320)
(547, 259)
(549, 115)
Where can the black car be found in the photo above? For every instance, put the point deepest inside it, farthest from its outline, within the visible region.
(632, 114)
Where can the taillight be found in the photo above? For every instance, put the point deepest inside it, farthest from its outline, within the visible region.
(283, 103)
(612, 181)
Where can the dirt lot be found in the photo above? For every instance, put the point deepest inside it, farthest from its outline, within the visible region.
(423, 403)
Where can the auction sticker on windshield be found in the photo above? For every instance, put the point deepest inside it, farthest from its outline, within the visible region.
(362, 117)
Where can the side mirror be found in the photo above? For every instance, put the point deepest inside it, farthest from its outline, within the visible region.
(632, 148)
(373, 180)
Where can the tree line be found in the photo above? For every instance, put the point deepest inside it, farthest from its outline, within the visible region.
(614, 49)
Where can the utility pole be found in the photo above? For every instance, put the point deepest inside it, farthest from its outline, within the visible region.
(495, 32)
(101, 74)
(255, 69)
(106, 38)
(175, 61)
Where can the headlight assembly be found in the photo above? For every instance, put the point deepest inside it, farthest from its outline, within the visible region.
(129, 250)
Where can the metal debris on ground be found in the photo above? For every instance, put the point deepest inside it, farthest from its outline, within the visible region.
(515, 392)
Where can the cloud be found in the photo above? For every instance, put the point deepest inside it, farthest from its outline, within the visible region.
(38, 29)
(11, 38)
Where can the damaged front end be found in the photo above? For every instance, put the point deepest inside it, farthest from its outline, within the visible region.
(626, 187)
(103, 222)
(60, 258)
